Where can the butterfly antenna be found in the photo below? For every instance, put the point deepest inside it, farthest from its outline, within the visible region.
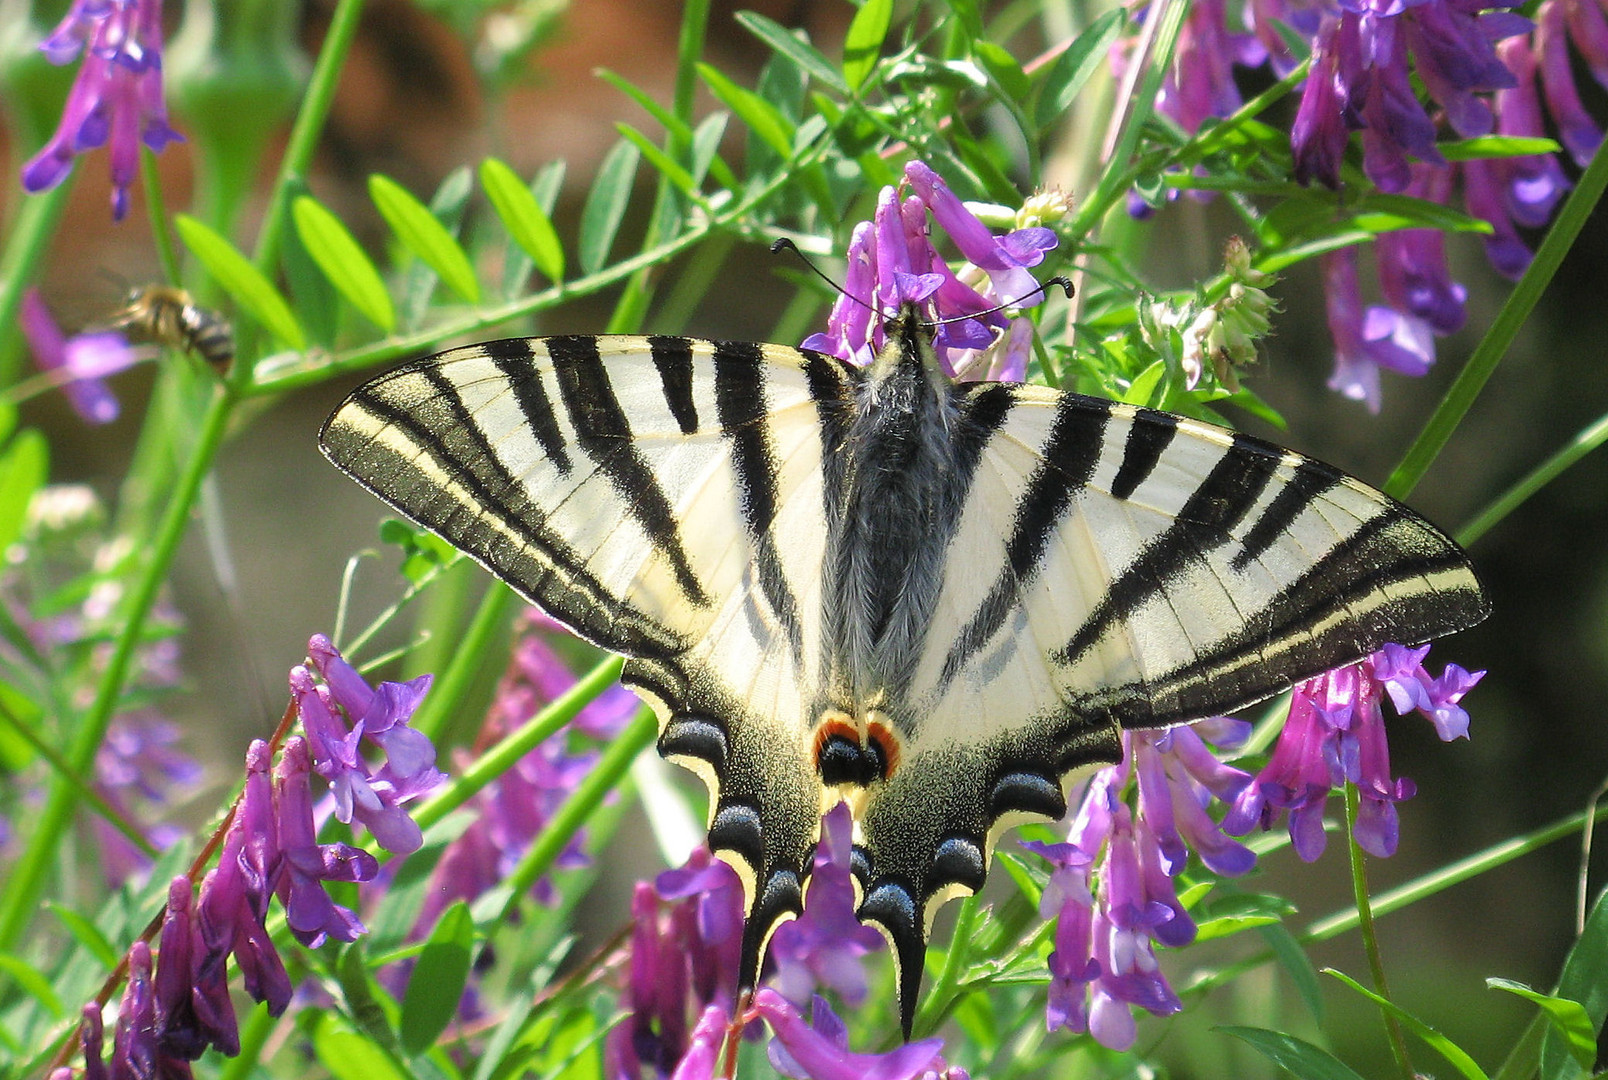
(1043, 287)
(782, 243)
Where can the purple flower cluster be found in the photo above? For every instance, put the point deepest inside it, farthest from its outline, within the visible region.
(513, 810)
(1111, 890)
(116, 100)
(173, 1011)
(1484, 70)
(1335, 734)
(892, 261)
(380, 715)
(682, 996)
(82, 362)
(137, 763)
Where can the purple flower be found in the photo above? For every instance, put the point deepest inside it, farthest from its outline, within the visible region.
(1200, 83)
(1324, 118)
(1335, 734)
(1367, 339)
(1533, 184)
(307, 864)
(81, 361)
(1413, 275)
(684, 963)
(231, 915)
(1111, 890)
(891, 261)
(823, 946)
(381, 714)
(1483, 195)
(136, 1052)
(117, 97)
(1576, 129)
(91, 1038)
(193, 1012)
(819, 1050)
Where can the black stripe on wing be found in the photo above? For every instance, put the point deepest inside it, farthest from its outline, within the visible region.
(1204, 523)
(1069, 459)
(672, 356)
(522, 549)
(604, 433)
(512, 357)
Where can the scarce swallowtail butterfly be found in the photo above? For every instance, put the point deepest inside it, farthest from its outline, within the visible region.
(932, 600)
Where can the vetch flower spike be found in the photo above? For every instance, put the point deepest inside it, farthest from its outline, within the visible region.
(116, 99)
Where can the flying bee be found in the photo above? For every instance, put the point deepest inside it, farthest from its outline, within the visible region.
(165, 315)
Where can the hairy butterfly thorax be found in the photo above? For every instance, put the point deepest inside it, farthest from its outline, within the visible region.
(934, 601)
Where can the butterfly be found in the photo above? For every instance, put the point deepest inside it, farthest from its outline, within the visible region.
(935, 601)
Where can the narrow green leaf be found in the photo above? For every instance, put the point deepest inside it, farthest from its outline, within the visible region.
(763, 119)
(32, 982)
(862, 46)
(1073, 67)
(24, 468)
(1295, 1056)
(87, 934)
(1568, 1018)
(1005, 69)
(1584, 979)
(789, 44)
(605, 205)
(1496, 146)
(423, 234)
(1454, 1054)
(436, 986)
(8, 418)
(241, 280)
(673, 172)
(673, 125)
(523, 217)
(706, 159)
(348, 1055)
(317, 306)
(1378, 212)
(357, 985)
(1298, 965)
(343, 261)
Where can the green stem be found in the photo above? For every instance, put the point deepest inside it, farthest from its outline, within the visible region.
(26, 881)
(309, 125)
(516, 744)
(1589, 438)
(610, 769)
(1494, 346)
(25, 247)
(468, 657)
(1370, 938)
(938, 997)
(156, 207)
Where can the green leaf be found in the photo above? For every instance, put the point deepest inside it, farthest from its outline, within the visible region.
(1456, 1055)
(862, 46)
(348, 1055)
(1496, 146)
(436, 986)
(763, 119)
(1584, 979)
(1295, 1056)
(423, 234)
(605, 205)
(241, 280)
(672, 171)
(673, 125)
(1073, 67)
(1378, 212)
(1006, 71)
(341, 258)
(317, 306)
(87, 934)
(24, 468)
(1145, 384)
(706, 159)
(789, 44)
(357, 985)
(523, 217)
(1298, 966)
(1569, 1019)
(32, 982)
